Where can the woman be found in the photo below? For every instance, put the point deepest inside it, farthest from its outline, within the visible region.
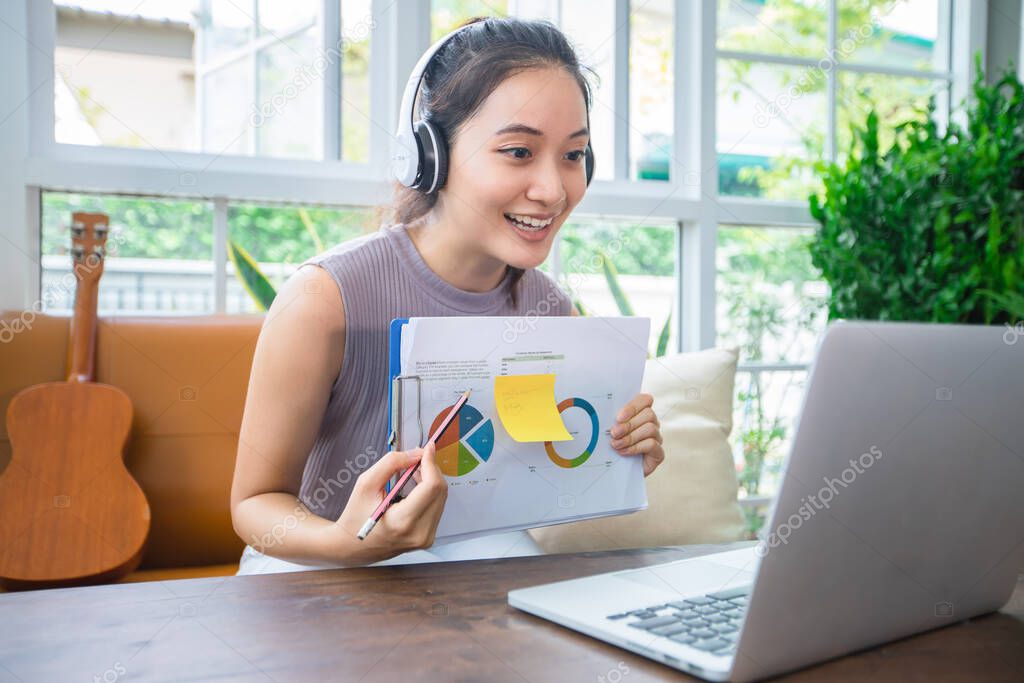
(510, 99)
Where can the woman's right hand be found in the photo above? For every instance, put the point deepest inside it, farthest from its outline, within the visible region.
(409, 524)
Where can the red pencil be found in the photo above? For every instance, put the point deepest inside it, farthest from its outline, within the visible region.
(388, 499)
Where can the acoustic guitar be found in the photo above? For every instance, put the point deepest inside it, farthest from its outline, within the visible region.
(70, 513)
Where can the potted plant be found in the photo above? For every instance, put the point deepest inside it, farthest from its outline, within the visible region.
(932, 228)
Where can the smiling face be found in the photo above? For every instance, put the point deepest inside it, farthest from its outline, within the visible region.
(516, 167)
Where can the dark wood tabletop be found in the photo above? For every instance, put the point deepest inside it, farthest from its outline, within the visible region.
(433, 622)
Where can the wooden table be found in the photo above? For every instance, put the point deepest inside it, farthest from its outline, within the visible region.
(435, 622)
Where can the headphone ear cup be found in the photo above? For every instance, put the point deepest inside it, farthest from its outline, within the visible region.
(428, 156)
(440, 158)
(588, 161)
(405, 159)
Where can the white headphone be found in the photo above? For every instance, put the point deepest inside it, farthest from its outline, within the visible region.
(419, 157)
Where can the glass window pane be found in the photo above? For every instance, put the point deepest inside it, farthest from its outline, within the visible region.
(537, 9)
(642, 266)
(182, 76)
(356, 32)
(174, 11)
(902, 34)
(133, 88)
(895, 99)
(227, 25)
(278, 18)
(771, 302)
(228, 116)
(650, 90)
(291, 124)
(778, 27)
(279, 238)
(765, 409)
(771, 128)
(447, 15)
(159, 254)
(590, 26)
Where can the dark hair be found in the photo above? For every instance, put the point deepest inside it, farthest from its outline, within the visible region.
(467, 69)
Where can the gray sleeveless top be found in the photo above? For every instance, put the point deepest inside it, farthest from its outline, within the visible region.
(382, 276)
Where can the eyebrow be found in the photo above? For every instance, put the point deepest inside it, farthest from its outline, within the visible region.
(529, 130)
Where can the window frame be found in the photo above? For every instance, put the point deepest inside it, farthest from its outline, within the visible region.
(690, 197)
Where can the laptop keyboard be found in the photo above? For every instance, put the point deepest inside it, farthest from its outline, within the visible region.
(709, 622)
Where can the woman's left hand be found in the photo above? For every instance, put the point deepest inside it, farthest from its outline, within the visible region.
(638, 432)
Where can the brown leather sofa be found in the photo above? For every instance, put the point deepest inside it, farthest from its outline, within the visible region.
(187, 378)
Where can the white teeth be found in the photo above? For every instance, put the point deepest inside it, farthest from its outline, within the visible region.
(528, 221)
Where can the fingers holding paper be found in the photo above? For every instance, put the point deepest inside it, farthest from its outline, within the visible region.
(638, 432)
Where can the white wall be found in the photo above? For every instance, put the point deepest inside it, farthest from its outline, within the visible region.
(1005, 36)
(17, 249)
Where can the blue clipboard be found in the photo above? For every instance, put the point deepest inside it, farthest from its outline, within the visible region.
(394, 370)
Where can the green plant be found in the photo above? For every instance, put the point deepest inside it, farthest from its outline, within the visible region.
(252, 278)
(611, 276)
(932, 228)
(248, 271)
(773, 300)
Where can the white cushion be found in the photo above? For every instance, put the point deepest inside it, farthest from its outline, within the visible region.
(692, 495)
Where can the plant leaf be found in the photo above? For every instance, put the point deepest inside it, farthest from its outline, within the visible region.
(611, 275)
(1011, 302)
(252, 278)
(663, 337)
(311, 229)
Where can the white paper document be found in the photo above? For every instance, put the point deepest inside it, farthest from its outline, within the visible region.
(540, 452)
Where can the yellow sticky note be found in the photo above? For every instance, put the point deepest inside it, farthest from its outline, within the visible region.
(526, 406)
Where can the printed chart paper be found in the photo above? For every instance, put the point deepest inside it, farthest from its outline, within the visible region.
(497, 483)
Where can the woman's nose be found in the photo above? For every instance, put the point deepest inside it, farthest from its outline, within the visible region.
(546, 185)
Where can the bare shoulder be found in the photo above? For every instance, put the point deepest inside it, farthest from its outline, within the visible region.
(309, 296)
(304, 329)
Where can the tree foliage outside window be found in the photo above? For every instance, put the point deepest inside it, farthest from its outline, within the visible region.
(771, 297)
(771, 304)
(799, 29)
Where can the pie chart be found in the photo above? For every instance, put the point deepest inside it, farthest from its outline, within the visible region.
(578, 460)
(465, 443)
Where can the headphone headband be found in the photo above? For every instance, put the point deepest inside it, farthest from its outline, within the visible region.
(405, 158)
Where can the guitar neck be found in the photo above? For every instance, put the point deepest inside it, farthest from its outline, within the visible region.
(88, 239)
(82, 344)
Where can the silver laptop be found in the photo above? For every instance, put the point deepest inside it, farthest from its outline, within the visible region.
(901, 510)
